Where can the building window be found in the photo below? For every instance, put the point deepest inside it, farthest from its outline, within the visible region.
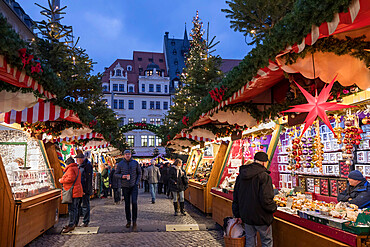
(165, 89)
(158, 141)
(151, 141)
(131, 141)
(115, 87)
(130, 120)
(172, 42)
(140, 71)
(144, 141)
(159, 72)
(151, 88)
(165, 105)
(130, 89)
(121, 104)
(150, 59)
(131, 104)
(174, 52)
(115, 102)
(140, 59)
(151, 105)
(176, 62)
(143, 120)
(121, 87)
(158, 121)
(143, 104)
(143, 88)
(152, 121)
(157, 105)
(158, 88)
(149, 73)
(129, 68)
(161, 60)
(118, 72)
(105, 88)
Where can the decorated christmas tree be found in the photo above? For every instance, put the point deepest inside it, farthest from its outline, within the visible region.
(201, 74)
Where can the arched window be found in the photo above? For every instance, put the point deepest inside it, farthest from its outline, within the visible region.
(118, 72)
(130, 89)
(129, 68)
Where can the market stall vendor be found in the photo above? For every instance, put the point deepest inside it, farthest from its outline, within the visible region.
(358, 190)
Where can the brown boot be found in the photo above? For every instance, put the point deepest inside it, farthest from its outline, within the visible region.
(134, 227)
(128, 224)
(68, 229)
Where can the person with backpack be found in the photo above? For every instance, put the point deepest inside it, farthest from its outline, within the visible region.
(178, 183)
(71, 179)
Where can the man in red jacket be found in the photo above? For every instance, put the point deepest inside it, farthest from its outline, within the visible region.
(253, 202)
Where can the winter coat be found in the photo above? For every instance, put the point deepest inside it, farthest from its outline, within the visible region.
(70, 174)
(164, 174)
(152, 174)
(360, 194)
(114, 181)
(177, 181)
(131, 167)
(105, 177)
(253, 195)
(86, 170)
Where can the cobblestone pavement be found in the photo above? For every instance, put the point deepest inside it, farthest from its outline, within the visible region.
(152, 221)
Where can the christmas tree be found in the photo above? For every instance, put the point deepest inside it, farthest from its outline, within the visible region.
(255, 18)
(201, 74)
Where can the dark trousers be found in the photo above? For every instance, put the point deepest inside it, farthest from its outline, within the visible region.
(160, 188)
(73, 211)
(146, 185)
(131, 194)
(84, 209)
(165, 188)
(105, 191)
(117, 194)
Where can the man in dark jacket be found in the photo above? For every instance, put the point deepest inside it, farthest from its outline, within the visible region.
(130, 172)
(253, 202)
(153, 175)
(358, 190)
(115, 184)
(86, 170)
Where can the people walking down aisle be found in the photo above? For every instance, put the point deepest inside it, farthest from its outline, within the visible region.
(253, 203)
(178, 183)
(115, 184)
(129, 171)
(153, 176)
(105, 181)
(164, 177)
(146, 183)
(86, 171)
(72, 180)
(160, 182)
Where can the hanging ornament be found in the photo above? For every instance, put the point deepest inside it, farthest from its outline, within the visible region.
(317, 106)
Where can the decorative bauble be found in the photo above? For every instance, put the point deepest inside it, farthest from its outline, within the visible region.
(360, 131)
(345, 141)
(343, 148)
(296, 141)
(300, 152)
(309, 158)
(289, 167)
(310, 139)
(295, 146)
(346, 136)
(288, 149)
(305, 151)
(351, 136)
(364, 121)
(339, 141)
(315, 158)
(308, 165)
(312, 165)
(294, 153)
(349, 151)
(303, 139)
(253, 145)
(309, 145)
(297, 159)
(349, 156)
(310, 152)
(355, 130)
(345, 155)
(348, 123)
(348, 162)
(291, 156)
(349, 146)
(357, 142)
(297, 166)
(358, 137)
(348, 130)
(353, 142)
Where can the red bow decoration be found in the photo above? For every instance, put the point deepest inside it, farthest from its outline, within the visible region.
(218, 93)
(26, 59)
(168, 137)
(36, 68)
(185, 120)
(317, 106)
(93, 123)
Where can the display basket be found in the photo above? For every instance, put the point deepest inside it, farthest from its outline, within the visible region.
(233, 242)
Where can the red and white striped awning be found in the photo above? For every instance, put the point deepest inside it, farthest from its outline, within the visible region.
(19, 78)
(81, 137)
(42, 112)
(195, 138)
(97, 146)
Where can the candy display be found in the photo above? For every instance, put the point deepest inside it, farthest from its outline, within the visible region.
(26, 168)
(324, 186)
(204, 170)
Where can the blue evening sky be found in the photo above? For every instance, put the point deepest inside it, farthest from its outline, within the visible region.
(111, 29)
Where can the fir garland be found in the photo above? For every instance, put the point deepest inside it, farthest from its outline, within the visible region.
(355, 47)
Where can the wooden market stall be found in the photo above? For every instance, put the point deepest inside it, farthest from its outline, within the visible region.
(200, 186)
(30, 200)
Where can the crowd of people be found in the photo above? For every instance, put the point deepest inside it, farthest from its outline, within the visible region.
(123, 178)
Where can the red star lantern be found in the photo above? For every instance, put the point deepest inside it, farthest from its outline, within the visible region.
(317, 106)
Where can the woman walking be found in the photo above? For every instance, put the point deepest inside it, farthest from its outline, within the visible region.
(178, 183)
(72, 177)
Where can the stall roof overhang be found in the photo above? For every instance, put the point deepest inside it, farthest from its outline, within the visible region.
(42, 112)
(357, 17)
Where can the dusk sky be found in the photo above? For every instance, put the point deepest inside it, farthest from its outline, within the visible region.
(111, 29)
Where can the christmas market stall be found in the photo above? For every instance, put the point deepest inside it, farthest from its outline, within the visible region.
(312, 82)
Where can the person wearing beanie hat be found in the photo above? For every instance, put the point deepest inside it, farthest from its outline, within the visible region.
(253, 200)
(358, 190)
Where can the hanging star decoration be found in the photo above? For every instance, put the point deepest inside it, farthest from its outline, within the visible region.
(317, 106)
